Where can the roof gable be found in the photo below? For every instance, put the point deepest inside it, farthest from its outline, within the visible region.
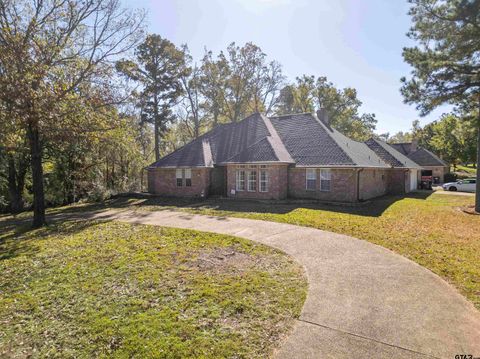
(420, 155)
(390, 155)
(426, 158)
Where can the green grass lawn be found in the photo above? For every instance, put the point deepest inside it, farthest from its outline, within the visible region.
(427, 228)
(79, 289)
(466, 171)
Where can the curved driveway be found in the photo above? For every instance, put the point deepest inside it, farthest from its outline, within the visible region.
(363, 301)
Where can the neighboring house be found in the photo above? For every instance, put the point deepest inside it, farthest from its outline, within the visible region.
(296, 156)
(426, 159)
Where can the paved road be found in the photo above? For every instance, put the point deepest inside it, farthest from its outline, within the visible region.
(364, 301)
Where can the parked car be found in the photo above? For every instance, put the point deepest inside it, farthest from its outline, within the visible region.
(465, 185)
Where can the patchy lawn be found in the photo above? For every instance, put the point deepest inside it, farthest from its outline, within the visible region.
(464, 171)
(120, 290)
(427, 228)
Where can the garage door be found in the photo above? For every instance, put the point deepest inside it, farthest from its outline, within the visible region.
(413, 180)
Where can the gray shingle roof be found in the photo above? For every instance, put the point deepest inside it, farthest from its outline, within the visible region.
(420, 155)
(312, 143)
(252, 140)
(298, 138)
(390, 155)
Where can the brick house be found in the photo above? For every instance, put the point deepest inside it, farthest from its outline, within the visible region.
(423, 157)
(294, 156)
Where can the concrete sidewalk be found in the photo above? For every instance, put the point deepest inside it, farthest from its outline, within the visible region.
(364, 301)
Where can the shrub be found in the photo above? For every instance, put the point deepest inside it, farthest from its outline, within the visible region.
(450, 177)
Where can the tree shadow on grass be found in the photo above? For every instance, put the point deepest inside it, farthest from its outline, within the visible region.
(18, 238)
(373, 208)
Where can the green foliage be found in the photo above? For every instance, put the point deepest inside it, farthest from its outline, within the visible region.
(121, 290)
(445, 61)
(452, 137)
(158, 67)
(55, 67)
(450, 177)
(399, 137)
(308, 94)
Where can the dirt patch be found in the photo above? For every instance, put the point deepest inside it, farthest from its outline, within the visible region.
(231, 259)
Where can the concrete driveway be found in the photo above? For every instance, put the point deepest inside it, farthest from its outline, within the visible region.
(364, 301)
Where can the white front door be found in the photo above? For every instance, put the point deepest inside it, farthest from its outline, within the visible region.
(413, 180)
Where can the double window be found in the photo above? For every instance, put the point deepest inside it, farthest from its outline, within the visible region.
(325, 179)
(184, 174)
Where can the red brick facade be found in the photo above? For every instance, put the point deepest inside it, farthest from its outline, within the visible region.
(343, 185)
(163, 181)
(398, 181)
(346, 184)
(373, 183)
(277, 182)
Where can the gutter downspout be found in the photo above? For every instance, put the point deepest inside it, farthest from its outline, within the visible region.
(407, 185)
(358, 183)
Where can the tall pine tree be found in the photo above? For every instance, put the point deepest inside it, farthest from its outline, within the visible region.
(445, 61)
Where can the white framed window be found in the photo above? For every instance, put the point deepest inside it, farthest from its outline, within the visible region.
(179, 176)
(188, 177)
(252, 181)
(325, 180)
(263, 181)
(240, 180)
(311, 179)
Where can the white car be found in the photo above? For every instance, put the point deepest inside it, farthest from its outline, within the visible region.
(466, 185)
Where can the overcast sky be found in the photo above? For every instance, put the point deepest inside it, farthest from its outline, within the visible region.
(355, 43)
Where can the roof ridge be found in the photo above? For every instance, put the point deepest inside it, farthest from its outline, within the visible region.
(290, 114)
(329, 131)
(275, 137)
(394, 153)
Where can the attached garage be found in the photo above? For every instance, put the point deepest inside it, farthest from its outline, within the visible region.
(413, 179)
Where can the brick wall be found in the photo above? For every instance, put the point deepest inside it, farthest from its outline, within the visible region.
(398, 181)
(163, 181)
(373, 183)
(277, 182)
(343, 185)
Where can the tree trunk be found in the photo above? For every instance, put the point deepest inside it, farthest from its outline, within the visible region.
(16, 181)
(157, 140)
(156, 128)
(477, 187)
(37, 176)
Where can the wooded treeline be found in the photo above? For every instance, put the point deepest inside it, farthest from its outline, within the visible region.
(88, 100)
(452, 137)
